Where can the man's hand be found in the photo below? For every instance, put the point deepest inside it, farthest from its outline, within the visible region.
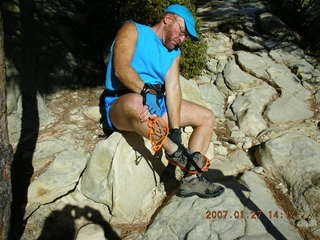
(144, 114)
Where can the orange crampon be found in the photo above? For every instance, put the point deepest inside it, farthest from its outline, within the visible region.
(158, 132)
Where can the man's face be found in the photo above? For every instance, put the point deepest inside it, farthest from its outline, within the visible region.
(176, 32)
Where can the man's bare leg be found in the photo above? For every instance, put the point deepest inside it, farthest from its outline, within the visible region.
(126, 116)
(203, 122)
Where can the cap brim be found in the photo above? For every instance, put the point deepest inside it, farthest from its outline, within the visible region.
(192, 31)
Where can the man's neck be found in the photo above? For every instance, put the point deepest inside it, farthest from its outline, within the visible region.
(158, 29)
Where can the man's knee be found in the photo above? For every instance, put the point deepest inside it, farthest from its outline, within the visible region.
(131, 103)
(209, 119)
(125, 110)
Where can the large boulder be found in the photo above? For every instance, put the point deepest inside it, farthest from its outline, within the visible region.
(249, 106)
(191, 92)
(236, 79)
(213, 96)
(195, 218)
(124, 175)
(236, 162)
(242, 212)
(253, 64)
(295, 159)
(292, 104)
(270, 221)
(48, 186)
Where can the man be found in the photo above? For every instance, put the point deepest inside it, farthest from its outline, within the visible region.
(142, 82)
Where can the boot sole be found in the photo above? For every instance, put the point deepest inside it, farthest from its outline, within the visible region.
(201, 195)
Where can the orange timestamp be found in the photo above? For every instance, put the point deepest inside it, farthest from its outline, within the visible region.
(241, 214)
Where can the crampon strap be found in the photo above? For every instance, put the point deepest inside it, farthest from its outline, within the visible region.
(191, 162)
(158, 132)
(198, 169)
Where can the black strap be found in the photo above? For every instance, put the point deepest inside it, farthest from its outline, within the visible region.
(190, 159)
(115, 93)
(156, 89)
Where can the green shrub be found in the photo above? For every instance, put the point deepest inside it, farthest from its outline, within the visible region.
(150, 12)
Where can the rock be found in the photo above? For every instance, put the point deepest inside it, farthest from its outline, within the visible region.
(253, 64)
(92, 232)
(118, 163)
(203, 79)
(263, 204)
(289, 55)
(236, 79)
(247, 143)
(248, 108)
(294, 158)
(92, 113)
(219, 44)
(258, 170)
(271, 24)
(250, 43)
(63, 218)
(45, 116)
(221, 86)
(211, 94)
(287, 82)
(317, 97)
(223, 60)
(287, 109)
(282, 188)
(196, 218)
(221, 150)
(302, 223)
(191, 92)
(49, 186)
(14, 128)
(212, 65)
(264, 236)
(13, 94)
(47, 150)
(237, 162)
(292, 104)
(237, 136)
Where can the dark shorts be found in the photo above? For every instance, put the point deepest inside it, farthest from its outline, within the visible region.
(110, 100)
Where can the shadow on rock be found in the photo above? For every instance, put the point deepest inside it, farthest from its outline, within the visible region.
(238, 188)
(22, 169)
(62, 224)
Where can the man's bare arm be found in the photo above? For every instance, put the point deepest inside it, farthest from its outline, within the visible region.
(173, 94)
(124, 49)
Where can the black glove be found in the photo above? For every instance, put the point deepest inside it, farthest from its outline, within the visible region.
(151, 95)
(175, 136)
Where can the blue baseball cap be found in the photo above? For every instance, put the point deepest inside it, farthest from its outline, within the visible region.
(187, 16)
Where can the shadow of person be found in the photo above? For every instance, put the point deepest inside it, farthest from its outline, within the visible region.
(60, 224)
(238, 188)
(166, 173)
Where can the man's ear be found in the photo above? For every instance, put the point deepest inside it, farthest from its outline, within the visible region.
(168, 18)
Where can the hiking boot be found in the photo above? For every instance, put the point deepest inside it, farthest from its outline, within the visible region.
(199, 185)
(189, 162)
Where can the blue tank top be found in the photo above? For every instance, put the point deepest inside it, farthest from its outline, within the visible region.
(152, 60)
